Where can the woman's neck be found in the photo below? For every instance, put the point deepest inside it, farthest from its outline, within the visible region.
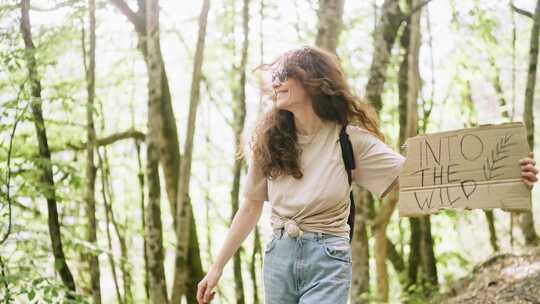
(307, 122)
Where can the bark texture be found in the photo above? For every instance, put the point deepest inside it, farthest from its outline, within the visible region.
(239, 117)
(45, 166)
(91, 231)
(384, 36)
(168, 145)
(330, 23)
(153, 229)
(184, 216)
(526, 219)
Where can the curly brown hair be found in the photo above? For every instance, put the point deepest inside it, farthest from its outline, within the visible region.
(274, 141)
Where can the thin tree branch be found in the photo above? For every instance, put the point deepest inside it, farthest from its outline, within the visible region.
(120, 136)
(18, 117)
(521, 11)
(131, 133)
(132, 16)
(214, 101)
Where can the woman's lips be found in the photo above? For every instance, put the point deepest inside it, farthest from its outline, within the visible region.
(282, 94)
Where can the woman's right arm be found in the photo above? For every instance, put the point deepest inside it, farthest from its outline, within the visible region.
(244, 221)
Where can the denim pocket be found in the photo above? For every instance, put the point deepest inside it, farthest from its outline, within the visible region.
(337, 248)
(270, 245)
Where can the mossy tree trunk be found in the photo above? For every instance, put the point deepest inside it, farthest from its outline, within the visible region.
(45, 165)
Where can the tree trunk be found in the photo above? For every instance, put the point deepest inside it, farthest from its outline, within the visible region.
(526, 219)
(404, 120)
(239, 117)
(195, 269)
(360, 247)
(414, 252)
(490, 218)
(168, 145)
(397, 261)
(421, 246)
(384, 35)
(330, 23)
(91, 237)
(255, 255)
(497, 85)
(383, 39)
(154, 233)
(381, 242)
(472, 121)
(329, 28)
(428, 255)
(45, 166)
(140, 178)
(106, 202)
(124, 264)
(183, 218)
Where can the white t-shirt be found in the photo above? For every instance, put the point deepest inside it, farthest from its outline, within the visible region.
(319, 201)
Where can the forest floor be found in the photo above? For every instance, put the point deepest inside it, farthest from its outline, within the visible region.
(503, 278)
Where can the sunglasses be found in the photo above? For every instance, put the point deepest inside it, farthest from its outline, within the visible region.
(281, 75)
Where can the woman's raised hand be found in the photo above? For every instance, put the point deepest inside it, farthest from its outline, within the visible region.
(528, 170)
(205, 286)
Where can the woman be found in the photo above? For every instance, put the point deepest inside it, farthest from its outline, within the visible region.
(296, 164)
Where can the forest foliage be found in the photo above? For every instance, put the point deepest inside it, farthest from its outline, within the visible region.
(123, 122)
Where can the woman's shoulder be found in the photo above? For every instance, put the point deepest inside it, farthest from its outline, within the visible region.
(359, 134)
(356, 130)
(361, 139)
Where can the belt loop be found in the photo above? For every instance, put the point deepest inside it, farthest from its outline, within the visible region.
(319, 236)
(281, 232)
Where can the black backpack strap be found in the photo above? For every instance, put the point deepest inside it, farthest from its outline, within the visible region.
(348, 159)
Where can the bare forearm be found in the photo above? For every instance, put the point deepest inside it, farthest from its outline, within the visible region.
(244, 221)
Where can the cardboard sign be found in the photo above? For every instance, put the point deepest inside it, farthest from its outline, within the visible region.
(465, 169)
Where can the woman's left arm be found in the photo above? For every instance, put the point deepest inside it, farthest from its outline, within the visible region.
(528, 170)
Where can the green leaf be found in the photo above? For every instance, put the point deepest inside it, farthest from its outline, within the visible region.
(31, 295)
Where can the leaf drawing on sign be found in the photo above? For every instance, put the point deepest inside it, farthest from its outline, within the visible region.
(493, 161)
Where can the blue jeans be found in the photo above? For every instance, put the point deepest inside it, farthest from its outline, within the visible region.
(315, 268)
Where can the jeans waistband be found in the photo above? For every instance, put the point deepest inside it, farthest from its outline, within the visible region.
(313, 235)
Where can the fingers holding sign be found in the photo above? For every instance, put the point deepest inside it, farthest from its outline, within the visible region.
(528, 170)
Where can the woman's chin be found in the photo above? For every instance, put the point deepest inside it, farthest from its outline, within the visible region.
(282, 104)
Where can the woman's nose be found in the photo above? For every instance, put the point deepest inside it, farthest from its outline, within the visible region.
(275, 84)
